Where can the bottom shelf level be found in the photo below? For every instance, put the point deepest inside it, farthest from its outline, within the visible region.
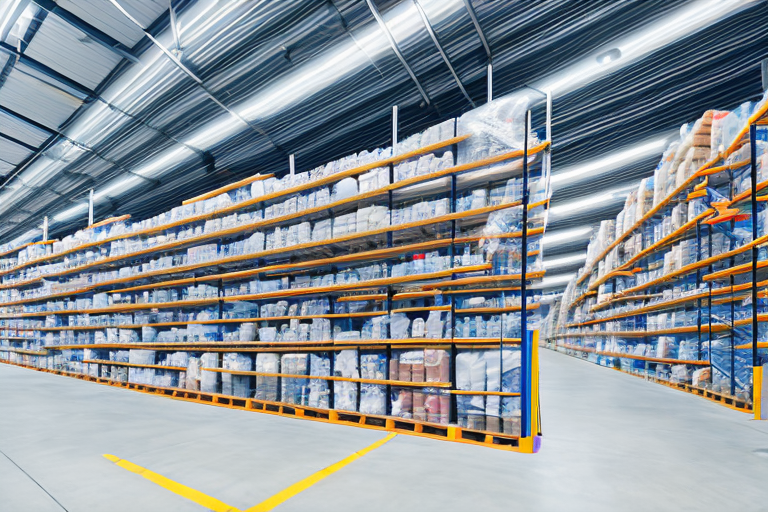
(439, 431)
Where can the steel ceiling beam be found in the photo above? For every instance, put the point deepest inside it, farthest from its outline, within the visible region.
(99, 37)
(447, 61)
(396, 49)
(478, 28)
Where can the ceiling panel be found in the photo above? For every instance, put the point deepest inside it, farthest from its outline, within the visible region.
(71, 52)
(5, 168)
(11, 152)
(20, 130)
(37, 100)
(107, 18)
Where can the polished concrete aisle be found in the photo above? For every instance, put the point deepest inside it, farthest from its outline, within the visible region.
(611, 442)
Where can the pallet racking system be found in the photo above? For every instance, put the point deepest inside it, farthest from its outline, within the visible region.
(74, 309)
(631, 308)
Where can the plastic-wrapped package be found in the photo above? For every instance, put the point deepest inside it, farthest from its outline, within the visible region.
(373, 399)
(344, 189)
(247, 332)
(437, 365)
(345, 393)
(128, 336)
(680, 373)
(319, 365)
(295, 390)
(141, 356)
(236, 385)
(496, 127)
(508, 381)
(398, 326)
(411, 366)
(701, 378)
(266, 386)
(148, 334)
(373, 366)
(434, 325)
(402, 402)
(192, 377)
(209, 381)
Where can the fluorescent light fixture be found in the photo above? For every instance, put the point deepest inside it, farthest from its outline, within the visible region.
(593, 201)
(678, 24)
(589, 169)
(71, 213)
(40, 171)
(609, 56)
(557, 237)
(164, 161)
(565, 260)
(118, 187)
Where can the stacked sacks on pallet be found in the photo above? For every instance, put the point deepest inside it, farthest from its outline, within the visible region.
(480, 371)
(373, 397)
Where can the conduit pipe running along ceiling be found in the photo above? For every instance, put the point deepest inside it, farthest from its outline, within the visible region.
(104, 107)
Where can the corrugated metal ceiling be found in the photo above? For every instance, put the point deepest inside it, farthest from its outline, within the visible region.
(107, 18)
(71, 52)
(37, 100)
(242, 50)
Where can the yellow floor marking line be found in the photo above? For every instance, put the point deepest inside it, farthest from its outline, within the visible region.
(175, 487)
(311, 480)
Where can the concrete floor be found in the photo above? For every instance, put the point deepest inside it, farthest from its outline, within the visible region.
(611, 442)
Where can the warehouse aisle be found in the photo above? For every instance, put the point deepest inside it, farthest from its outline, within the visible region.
(612, 442)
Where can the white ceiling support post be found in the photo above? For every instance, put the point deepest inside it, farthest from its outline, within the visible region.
(394, 129)
(490, 82)
(90, 208)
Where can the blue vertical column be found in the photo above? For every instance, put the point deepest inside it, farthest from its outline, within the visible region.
(526, 340)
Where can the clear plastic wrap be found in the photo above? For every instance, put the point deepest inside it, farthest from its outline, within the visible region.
(344, 392)
(496, 127)
(267, 386)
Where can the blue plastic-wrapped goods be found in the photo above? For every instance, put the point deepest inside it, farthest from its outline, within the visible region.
(295, 390)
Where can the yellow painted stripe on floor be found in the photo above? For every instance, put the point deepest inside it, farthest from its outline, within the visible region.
(311, 480)
(175, 487)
